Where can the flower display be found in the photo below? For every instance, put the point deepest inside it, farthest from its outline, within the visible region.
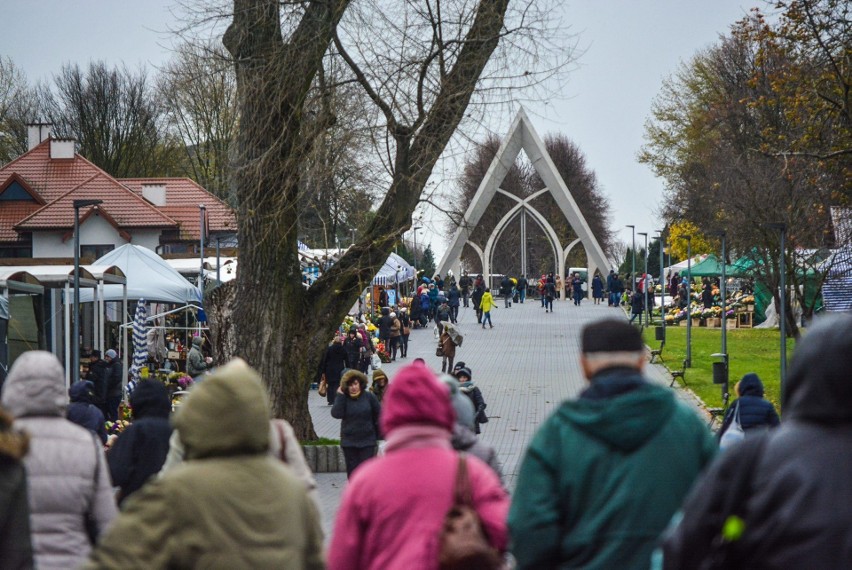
(116, 427)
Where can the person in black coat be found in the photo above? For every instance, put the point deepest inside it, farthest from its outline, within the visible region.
(453, 296)
(637, 305)
(707, 294)
(478, 292)
(82, 412)
(755, 412)
(506, 291)
(140, 451)
(115, 385)
(353, 347)
(465, 284)
(333, 364)
(795, 480)
(385, 324)
(16, 549)
(358, 409)
(98, 376)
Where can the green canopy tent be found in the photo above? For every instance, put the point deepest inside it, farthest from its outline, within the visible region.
(709, 267)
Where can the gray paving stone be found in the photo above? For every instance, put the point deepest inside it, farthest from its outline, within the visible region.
(525, 366)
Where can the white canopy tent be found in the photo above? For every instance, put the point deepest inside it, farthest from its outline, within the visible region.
(148, 276)
(395, 270)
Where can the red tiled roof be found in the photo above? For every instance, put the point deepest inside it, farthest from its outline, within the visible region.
(50, 178)
(59, 182)
(12, 212)
(125, 208)
(183, 197)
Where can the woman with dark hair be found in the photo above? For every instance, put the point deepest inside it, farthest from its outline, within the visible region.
(358, 410)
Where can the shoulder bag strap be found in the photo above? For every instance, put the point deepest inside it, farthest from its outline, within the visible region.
(463, 493)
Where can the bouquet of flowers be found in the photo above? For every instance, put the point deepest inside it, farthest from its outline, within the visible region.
(382, 351)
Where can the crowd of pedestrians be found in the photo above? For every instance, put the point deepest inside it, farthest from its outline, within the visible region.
(625, 475)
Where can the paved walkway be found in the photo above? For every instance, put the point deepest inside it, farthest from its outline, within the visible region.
(525, 366)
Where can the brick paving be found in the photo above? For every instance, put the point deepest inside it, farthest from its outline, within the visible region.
(525, 366)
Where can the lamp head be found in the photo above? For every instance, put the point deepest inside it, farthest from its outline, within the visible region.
(83, 203)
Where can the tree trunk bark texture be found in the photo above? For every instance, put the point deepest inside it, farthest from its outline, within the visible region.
(278, 326)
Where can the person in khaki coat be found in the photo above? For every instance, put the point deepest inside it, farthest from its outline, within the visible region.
(230, 504)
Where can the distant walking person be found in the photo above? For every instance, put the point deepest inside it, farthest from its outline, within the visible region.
(597, 289)
(637, 305)
(781, 500)
(550, 291)
(590, 491)
(506, 291)
(577, 285)
(465, 285)
(485, 306)
(522, 288)
(453, 296)
(610, 280)
(477, 302)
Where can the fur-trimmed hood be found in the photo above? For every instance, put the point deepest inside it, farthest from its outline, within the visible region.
(13, 444)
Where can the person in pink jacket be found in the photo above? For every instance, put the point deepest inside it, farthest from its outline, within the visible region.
(393, 509)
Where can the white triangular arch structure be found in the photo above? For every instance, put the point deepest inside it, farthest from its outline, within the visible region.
(522, 136)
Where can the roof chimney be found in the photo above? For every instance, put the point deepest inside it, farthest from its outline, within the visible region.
(61, 148)
(37, 132)
(154, 193)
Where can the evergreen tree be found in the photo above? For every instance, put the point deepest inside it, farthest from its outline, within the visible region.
(427, 262)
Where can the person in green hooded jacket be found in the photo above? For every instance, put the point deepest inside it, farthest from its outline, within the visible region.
(605, 473)
(229, 505)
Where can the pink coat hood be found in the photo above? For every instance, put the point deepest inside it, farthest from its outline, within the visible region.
(416, 397)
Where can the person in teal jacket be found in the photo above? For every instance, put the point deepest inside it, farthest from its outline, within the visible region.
(605, 473)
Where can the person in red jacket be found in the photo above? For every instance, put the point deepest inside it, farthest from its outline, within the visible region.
(392, 512)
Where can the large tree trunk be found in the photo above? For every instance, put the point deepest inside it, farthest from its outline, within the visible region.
(281, 328)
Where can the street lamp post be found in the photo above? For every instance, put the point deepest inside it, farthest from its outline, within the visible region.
(633, 260)
(662, 286)
(75, 330)
(646, 309)
(723, 294)
(202, 209)
(688, 359)
(782, 229)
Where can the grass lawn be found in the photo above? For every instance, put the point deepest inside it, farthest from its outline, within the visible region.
(750, 350)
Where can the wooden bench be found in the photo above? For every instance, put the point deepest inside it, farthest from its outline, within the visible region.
(678, 374)
(718, 413)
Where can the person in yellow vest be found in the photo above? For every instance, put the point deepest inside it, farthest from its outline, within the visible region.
(486, 304)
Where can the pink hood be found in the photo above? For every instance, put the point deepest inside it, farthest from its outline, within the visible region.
(415, 396)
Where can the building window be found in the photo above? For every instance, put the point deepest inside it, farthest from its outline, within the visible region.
(14, 191)
(93, 252)
(16, 251)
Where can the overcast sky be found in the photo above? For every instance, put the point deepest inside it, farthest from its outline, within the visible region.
(630, 46)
